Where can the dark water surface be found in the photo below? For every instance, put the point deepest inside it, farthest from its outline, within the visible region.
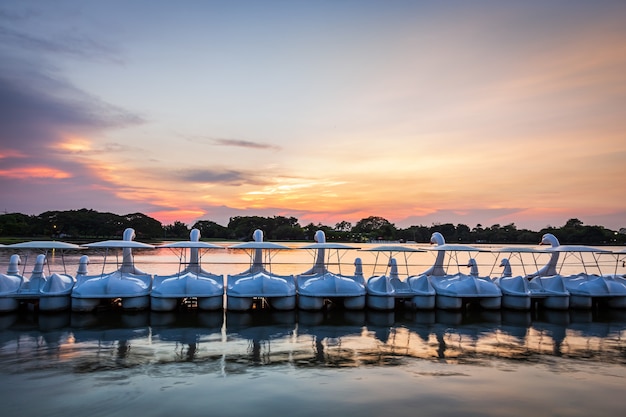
(339, 363)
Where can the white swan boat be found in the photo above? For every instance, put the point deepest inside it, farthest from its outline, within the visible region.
(319, 285)
(128, 284)
(383, 291)
(192, 282)
(547, 289)
(585, 288)
(49, 291)
(456, 290)
(516, 292)
(259, 283)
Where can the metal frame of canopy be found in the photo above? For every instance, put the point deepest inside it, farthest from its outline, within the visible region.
(188, 244)
(116, 244)
(44, 246)
(576, 252)
(266, 249)
(453, 253)
(617, 259)
(517, 252)
(335, 247)
(390, 249)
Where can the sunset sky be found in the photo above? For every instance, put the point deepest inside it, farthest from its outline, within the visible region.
(473, 112)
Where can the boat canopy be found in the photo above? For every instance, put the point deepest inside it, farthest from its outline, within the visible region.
(455, 248)
(259, 245)
(393, 248)
(43, 244)
(188, 244)
(118, 244)
(328, 245)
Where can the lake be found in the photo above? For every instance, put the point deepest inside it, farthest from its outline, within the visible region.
(335, 362)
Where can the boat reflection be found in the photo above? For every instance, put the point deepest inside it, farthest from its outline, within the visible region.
(245, 342)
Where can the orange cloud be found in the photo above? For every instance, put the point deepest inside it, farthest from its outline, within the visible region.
(10, 153)
(35, 172)
(74, 144)
(183, 215)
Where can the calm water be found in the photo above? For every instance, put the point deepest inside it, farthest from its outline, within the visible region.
(304, 364)
(296, 363)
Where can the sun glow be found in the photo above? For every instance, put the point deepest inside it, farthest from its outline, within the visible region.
(74, 144)
(173, 215)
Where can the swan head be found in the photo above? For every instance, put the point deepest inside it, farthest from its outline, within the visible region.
(358, 266)
(194, 235)
(129, 234)
(437, 239)
(14, 263)
(258, 235)
(549, 239)
(82, 265)
(320, 236)
(504, 263)
(39, 263)
(392, 263)
(473, 266)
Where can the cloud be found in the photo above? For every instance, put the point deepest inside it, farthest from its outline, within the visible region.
(239, 143)
(221, 176)
(245, 144)
(64, 41)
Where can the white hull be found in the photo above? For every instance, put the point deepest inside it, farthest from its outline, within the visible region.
(163, 304)
(416, 292)
(456, 303)
(378, 302)
(8, 304)
(557, 302)
(211, 303)
(245, 303)
(306, 302)
(516, 302)
(55, 303)
(84, 304)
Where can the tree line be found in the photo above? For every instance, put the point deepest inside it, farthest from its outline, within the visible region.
(90, 224)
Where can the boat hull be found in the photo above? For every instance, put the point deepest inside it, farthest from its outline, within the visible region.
(8, 304)
(55, 303)
(516, 302)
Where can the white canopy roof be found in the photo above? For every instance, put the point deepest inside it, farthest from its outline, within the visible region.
(328, 245)
(576, 248)
(455, 248)
(520, 249)
(118, 244)
(393, 248)
(259, 245)
(44, 244)
(191, 244)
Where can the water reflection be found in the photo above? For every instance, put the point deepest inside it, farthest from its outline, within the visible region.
(235, 343)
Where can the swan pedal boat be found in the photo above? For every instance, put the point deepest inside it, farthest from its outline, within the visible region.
(127, 283)
(319, 286)
(454, 291)
(258, 283)
(49, 291)
(519, 292)
(586, 288)
(386, 290)
(192, 282)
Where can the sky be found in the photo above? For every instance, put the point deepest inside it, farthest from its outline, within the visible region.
(421, 112)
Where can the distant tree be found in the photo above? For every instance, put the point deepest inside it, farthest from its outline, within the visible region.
(145, 226)
(375, 227)
(343, 226)
(17, 224)
(211, 230)
(178, 230)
